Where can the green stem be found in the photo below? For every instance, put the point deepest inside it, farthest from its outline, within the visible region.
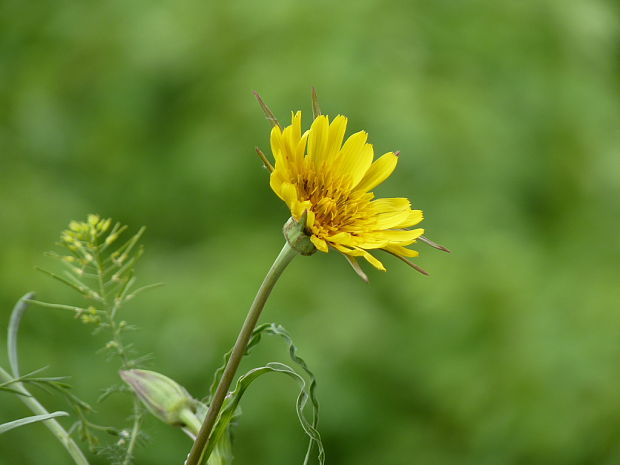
(286, 255)
(191, 421)
(46, 304)
(57, 430)
(134, 431)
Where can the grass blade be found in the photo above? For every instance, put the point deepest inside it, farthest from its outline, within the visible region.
(27, 420)
(13, 329)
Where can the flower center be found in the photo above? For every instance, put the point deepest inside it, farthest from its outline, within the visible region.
(334, 206)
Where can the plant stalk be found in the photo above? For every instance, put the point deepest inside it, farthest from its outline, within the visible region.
(284, 258)
(56, 428)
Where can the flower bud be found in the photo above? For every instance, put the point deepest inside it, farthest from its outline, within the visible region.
(162, 396)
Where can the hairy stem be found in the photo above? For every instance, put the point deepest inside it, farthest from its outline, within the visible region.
(56, 428)
(204, 435)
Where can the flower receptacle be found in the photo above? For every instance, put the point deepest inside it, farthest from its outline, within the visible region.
(297, 236)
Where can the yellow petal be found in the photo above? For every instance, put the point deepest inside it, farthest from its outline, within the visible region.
(378, 172)
(337, 128)
(288, 193)
(276, 179)
(373, 261)
(291, 136)
(319, 243)
(390, 204)
(415, 216)
(390, 219)
(402, 236)
(296, 125)
(317, 141)
(300, 151)
(355, 157)
(355, 252)
(369, 241)
(340, 238)
(298, 208)
(390, 212)
(276, 144)
(364, 162)
(401, 251)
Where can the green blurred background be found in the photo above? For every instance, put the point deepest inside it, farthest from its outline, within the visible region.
(507, 117)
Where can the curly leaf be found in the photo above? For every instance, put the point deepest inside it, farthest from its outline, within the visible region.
(242, 385)
(273, 329)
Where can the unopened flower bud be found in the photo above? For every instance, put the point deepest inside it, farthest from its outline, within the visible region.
(164, 397)
(104, 225)
(111, 238)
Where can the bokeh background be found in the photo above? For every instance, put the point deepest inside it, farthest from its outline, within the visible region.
(507, 117)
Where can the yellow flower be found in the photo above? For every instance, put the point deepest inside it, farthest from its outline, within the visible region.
(85, 231)
(315, 172)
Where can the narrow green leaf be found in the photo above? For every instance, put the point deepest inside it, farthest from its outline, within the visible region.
(82, 290)
(112, 236)
(22, 378)
(13, 329)
(73, 308)
(125, 249)
(144, 288)
(33, 419)
(13, 391)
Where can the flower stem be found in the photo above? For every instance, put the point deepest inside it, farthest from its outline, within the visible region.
(35, 406)
(284, 258)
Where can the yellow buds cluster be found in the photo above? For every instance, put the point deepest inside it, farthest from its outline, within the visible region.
(89, 316)
(84, 231)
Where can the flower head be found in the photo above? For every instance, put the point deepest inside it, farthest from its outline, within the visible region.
(319, 174)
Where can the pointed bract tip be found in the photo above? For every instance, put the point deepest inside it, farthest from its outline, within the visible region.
(268, 113)
(356, 267)
(397, 153)
(316, 109)
(434, 245)
(264, 159)
(419, 269)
